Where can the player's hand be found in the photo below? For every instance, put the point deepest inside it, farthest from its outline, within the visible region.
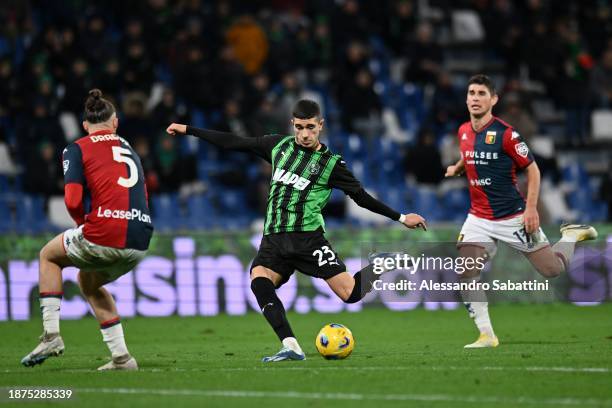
(176, 129)
(413, 221)
(452, 171)
(531, 219)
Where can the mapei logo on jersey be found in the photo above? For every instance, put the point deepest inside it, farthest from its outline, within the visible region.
(522, 149)
(133, 214)
(289, 178)
(481, 182)
(490, 137)
(66, 165)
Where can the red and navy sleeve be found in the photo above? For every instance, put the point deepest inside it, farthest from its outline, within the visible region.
(517, 149)
(74, 181)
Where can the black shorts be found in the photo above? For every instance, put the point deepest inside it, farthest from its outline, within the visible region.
(308, 252)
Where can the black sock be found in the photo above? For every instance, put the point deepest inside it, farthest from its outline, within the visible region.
(364, 280)
(271, 306)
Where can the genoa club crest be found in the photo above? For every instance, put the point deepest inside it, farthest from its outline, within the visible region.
(490, 138)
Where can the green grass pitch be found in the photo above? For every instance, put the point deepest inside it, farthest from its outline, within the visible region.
(550, 355)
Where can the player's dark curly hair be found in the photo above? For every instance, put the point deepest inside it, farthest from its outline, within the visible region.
(482, 79)
(97, 109)
(306, 109)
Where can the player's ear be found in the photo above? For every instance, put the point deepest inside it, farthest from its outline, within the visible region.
(115, 122)
(494, 100)
(86, 126)
(321, 122)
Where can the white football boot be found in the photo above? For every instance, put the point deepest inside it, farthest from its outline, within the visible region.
(484, 341)
(579, 232)
(49, 346)
(284, 354)
(126, 363)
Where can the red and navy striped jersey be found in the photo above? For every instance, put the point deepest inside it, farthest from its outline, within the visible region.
(105, 190)
(491, 156)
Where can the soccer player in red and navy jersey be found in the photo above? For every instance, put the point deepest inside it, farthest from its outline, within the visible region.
(492, 152)
(106, 196)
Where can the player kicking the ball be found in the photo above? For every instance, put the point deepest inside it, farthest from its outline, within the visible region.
(491, 152)
(105, 194)
(304, 171)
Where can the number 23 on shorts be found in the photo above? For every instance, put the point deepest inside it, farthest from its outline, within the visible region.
(324, 255)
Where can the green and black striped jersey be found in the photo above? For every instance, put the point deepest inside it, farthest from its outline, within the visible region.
(302, 180)
(299, 188)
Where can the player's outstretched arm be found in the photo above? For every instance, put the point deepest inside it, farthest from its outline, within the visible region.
(413, 221)
(176, 129)
(363, 199)
(224, 140)
(343, 179)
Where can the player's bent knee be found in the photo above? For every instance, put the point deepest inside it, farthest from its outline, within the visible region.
(263, 272)
(53, 251)
(345, 296)
(353, 297)
(43, 255)
(260, 272)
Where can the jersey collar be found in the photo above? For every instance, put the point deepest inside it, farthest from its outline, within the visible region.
(484, 126)
(102, 132)
(323, 148)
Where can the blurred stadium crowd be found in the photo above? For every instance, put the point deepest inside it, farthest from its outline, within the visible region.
(390, 76)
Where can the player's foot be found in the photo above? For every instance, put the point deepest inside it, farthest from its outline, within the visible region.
(579, 232)
(126, 363)
(483, 341)
(49, 346)
(284, 354)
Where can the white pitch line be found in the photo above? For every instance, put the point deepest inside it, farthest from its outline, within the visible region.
(435, 368)
(352, 396)
(591, 370)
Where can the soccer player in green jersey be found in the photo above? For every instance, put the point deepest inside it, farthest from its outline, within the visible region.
(304, 172)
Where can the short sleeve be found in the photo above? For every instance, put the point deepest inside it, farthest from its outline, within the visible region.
(72, 163)
(517, 149)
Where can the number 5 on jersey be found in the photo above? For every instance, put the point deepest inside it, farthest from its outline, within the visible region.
(123, 155)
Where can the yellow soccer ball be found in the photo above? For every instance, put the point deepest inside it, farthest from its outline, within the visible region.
(335, 341)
